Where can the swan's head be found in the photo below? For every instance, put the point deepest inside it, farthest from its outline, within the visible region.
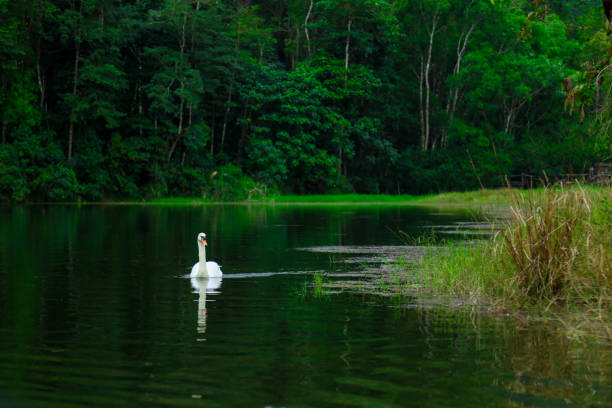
(202, 239)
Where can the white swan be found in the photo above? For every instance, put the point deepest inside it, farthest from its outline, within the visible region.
(203, 269)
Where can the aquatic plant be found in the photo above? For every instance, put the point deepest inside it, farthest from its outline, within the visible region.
(318, 282)
(553, 259)
(315, 289)
(558, 248)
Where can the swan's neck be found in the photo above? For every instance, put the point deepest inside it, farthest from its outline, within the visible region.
(202, 255)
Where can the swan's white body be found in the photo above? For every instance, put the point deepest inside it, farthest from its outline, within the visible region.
(211, 270)
(205, 285)
(203, 269)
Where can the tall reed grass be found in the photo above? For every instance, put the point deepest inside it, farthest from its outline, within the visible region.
(553, 257)
(558, 249)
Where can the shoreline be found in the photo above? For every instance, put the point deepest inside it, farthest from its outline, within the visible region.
(281, 203)
(475, 198)
(488, 197)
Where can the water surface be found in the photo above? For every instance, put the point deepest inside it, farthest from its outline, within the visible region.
(95, 310)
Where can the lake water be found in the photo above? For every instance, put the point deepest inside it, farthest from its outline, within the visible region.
(96, 311)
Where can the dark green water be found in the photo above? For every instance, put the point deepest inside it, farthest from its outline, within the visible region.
(95, 311)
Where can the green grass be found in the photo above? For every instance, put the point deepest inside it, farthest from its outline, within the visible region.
(179, 200)
(501, 196)
(303, 199)
(316, 289)
(318, 284)
(552, 260)
(498, 196)
(342, 198)
(481, 197)
(489, 196)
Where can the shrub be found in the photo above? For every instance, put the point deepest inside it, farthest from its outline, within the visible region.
(228, 182)
(33, 167)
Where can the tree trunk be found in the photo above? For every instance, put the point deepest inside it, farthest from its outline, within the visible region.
(75, 79)
(228, 107)
(432, 34)
(139, 95)
(179, 131)
(228, 104)
(212, 132)
(40, 76)
(340, 152)
(451, 106)
(244, 132)
(346, 49)
(193, 26)
(474, 169)
(509, 120)
(39, 73)
(296, 51)
(306, 27)
(421, 77)
(346, 70)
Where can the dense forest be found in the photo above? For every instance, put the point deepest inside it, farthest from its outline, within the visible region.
(107, 99)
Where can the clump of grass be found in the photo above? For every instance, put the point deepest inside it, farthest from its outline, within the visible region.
(318, 282)
(552, 258)
(458, 270)
(557, 249)
(316, 289)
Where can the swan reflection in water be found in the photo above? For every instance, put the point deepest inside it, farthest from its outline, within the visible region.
(204, 286)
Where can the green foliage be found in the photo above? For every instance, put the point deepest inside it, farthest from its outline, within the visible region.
(32, 167)
(92, 167)
(299, 130)
(151, 98)
(228, 183)
(588, 90)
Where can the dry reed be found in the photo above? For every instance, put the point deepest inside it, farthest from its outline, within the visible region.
(557, 249)
(552, 260)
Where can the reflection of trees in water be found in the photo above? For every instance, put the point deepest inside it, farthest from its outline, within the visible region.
(529, 359)
(547, 364)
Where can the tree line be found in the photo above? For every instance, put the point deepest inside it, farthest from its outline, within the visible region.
(102, 99)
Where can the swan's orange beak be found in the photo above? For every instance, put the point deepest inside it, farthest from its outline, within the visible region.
(204, 241)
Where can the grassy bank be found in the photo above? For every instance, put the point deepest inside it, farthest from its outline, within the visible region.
(484, 197)
(501, 196)
(314, 199)
(552, 260)
(491, 196)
